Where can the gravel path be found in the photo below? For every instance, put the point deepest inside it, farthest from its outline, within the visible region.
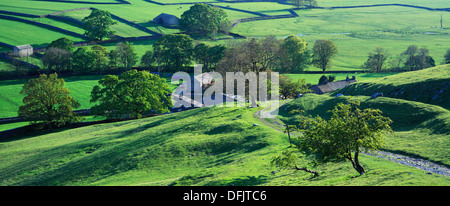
(413, 162)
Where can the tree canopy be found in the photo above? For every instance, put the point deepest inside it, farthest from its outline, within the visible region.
(290, 88)
(348, 132)
(97, 24)
(174, 51)
(46, 99)
(376, 60)
(323, 51)
(203, 20)
(294, 55)
(132, 94)
(62, 43)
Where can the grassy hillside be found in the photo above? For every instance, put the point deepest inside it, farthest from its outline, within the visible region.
(430, 86)
(420, 129)
(206, 146)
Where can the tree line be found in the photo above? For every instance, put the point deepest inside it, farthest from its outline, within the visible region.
(413, 58)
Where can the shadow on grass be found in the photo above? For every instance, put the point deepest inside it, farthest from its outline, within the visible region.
(243, 181)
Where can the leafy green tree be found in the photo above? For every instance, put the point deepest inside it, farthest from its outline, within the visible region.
(201, 55)
(216, 53)
(100, 56)
(253, 55)
(323, 51)
(417, 58)
(147, 59)
(376, 60)
(126, 55)
(62, 43)
(113, 58)
(203, 20)
(97, 24)
(208, 56)
(349, 131)
(82, 60)
(174, 50)
(132, 94)
(290, 89)
(294, 56)
(46, 99)
(56, 59)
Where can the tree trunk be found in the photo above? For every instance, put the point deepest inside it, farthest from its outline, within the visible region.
(356, 165)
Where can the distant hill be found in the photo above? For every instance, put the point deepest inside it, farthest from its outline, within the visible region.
(431, 86)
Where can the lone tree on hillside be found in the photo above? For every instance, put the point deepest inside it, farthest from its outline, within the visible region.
(47, 100)
(97, 24)
(132, 94)
(323, 51)
(376, 60)
(349, 130)
(204, 20)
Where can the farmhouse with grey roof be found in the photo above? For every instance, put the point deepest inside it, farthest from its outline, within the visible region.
(167, 20)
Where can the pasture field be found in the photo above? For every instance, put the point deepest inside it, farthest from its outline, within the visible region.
(21, 34)
(232, 146)
(356, 31)
(205, 146)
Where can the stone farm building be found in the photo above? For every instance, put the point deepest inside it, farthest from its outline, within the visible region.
(332, 86)
(23, 50)
(166, 20)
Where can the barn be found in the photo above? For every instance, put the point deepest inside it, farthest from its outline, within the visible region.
(167, 20)
(23, 50)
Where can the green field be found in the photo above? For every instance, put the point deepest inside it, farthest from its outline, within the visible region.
(206, 146)
(223, 146)
(356, 31)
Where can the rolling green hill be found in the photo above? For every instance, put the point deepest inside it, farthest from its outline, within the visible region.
(417, 102)
(420, 129)
(205, 146)
(431, 86)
